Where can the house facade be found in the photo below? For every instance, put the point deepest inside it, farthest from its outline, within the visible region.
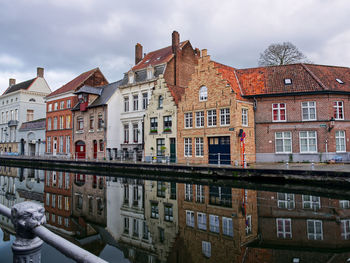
(59, 104)
(20, 103)
(215, 124)
(176, 63)
(32, 134)
(301, 111)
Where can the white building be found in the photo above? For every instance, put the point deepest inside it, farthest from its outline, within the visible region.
(20, 103)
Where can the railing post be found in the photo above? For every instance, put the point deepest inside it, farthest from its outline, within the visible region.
(25, 217)
(219, 161)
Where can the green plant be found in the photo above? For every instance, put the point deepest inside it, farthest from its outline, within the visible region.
(154, 130)
(167, 130)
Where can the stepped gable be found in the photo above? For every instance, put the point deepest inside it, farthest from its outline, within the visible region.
(176, 92)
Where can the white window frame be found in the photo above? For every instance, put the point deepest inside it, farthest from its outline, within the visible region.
(283, 233)
(244, 117)
(214, 223)
(200, 193)
(206, 249)
(189, 218)
(188, 192)
(311, 231)
(340, 136)
(285, 201)
(345, 229)
(199, 119)
(202, 221)
(203, 93)
(49, 124)
(311, 202)
(308, 137)
(344, 204)
(188, 119)
(279, 108)
(284, 138)
(211, 118)
(308, 106)
(135, 102)
(225, 117)
(126, 103)
(339, 110)
(188, 147)
(227, 226)
(199, 147)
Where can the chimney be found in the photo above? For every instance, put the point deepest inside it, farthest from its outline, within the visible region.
(12, 82)
(175, 41)
(138, 53)
(40, 72)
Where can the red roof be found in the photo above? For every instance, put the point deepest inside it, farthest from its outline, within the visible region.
(74, 83)
(157, 57)
(304, 78)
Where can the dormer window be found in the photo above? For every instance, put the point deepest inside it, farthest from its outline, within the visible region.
(287, 81)
(203, 93)
(339, 81)
(149, 72)
(131, 77)
(148, 60)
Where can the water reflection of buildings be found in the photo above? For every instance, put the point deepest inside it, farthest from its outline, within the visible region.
(303, 228)
(215, 223)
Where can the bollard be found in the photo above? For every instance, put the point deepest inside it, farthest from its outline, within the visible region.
(287, 165)
(25, 217)
(312, 166)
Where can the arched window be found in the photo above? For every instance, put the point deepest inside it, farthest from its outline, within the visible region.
(203, 93)
(160, 102)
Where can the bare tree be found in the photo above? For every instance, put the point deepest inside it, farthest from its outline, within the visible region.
(281, 54)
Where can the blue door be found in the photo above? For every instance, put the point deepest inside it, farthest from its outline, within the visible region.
(219, 148)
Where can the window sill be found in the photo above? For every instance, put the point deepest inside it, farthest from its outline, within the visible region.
(99, 130)
(79, 132)
(308, 152)
(91, 130)
(281, 153)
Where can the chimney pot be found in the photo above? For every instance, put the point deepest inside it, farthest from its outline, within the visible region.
(40, 72)
(175, 41)
(12, 82)
(138, 53)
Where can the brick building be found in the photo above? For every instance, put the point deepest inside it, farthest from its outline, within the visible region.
(215, 123)
(59, 104)
(301, 111)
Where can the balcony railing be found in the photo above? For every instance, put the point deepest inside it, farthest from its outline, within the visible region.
(12, 123)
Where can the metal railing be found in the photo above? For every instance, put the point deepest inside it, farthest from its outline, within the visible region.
(27, 218)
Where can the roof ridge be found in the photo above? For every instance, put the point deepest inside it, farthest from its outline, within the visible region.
(314, 76)
(239, 84)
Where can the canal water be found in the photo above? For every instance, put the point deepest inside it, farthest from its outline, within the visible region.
(125, 219)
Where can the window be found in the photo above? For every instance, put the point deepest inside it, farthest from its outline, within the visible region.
(49, 123)
(62, 105)
(66, 203)
(227, 226)
(202, 221)
(154, 124)
(12, 116)
(168, 213)
(59, 202)
(66, 222)
(135, 99)
(173, 190)
(338, 110)
(30, 115)
(203, 93)
(126, 133)
(160, 102)
(102, 147)
(161, 234)
(16, 114)
(100, 122)
(311, 202)
(200, 193)
(314, 229)
(59, 220)
(55, 123)
(284, 227)
(126, 104)
(248, 225)
(308, 109)
(161, 188)
(50, 107)
(144, 100)
(244, 117)
(188, 120)
(7, 116)
(55, 106)
(340, 141)
(206, 249)
(308, 141)
(136, 228)
(48, 199)
(211, 115)
(188, 147)
(224, 117)
(345, 229)
(68, 104)
(126, 225)
(167, 123)
(199, 146)
(53, 218)
(135, 132)
(145, 230)
(53, 200)
(339, 81)
(68, 122)
(161, 147)
(91, 126)
(285, 200)
(283, 142)
(279, 112)
(131, 78)
(190, 218)
(214, 223)
(61, 122)
(287, 81)
(188, 192)
(80, 125)
(67, 144)
(149, 73)
(48, 144)
(199, 119)
(345, 204)
(154, 210)
(60, 149)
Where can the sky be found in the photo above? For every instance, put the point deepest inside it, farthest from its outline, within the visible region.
(68, 37)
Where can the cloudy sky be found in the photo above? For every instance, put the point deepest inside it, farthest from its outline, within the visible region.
(68, 37)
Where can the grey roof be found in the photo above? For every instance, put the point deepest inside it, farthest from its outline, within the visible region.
(141, 75)
(39, 124)
(19, 86)
(90, 90)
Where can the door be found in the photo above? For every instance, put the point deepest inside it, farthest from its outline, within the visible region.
(219, 149)
(172, 150)
(31, 149)
(54, 150)
(95, 149)
(80, 150)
